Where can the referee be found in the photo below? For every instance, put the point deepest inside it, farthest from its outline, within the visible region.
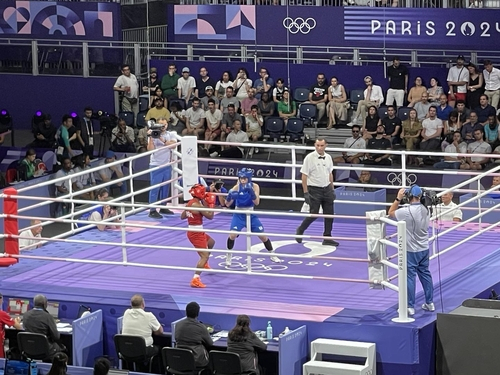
(317, 182)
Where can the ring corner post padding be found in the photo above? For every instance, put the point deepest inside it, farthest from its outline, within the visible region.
(11, 226)
(375, 230)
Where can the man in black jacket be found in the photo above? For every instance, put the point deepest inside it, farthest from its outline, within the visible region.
(193, 335)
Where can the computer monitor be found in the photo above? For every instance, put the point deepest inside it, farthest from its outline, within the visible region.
(84, 310)
(53, 309)
(17, 306)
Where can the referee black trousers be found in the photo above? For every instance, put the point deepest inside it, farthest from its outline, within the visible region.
(320, 197)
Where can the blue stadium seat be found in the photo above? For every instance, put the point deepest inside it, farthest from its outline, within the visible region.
(403, 113)
(355, 96)
(307, 112)
(127, 116)
(382, 112)
(295, 129)
(301, 94)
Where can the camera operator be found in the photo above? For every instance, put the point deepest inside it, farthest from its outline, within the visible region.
(160, 157)
(218, 188)
(122, 138)
(85, 132)
(416, 216)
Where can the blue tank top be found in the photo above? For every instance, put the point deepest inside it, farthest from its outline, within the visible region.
(87, 215)
(244, 200)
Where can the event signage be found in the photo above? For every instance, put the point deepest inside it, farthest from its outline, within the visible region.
(336, 26)
(60, 20)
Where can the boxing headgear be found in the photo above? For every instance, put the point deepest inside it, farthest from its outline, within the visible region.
(246, 173)
(198, 191)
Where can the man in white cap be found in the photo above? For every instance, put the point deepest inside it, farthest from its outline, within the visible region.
(186, 85)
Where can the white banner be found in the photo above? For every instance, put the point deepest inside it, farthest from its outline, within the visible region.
(189, 147)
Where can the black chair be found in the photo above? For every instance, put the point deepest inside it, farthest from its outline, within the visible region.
(382, 112)
(307, 112)
(179, 361)
(225, 363)
(403, 113)
(141, 119)
(295, 129)
(127, 116)
(132, 349)
(301, 94)
(34, 345)
(274, 128)
(355, 96)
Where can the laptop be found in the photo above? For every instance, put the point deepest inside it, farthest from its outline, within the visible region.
(17, 306)
(53, 310)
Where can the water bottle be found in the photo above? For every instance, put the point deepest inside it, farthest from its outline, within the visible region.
(269, 331)
(6, 347)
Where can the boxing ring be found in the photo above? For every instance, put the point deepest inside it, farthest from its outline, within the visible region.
(350, 292)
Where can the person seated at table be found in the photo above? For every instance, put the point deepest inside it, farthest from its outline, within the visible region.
(242, 341)
(193, 335)
(6, 320)
(59, 364)
(366, 178)
(102, 366)
(27, 167)
(38, 320)
(449, 208)
(100, 213)
(34, 234)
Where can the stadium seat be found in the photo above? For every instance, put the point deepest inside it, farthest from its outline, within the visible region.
(301, 94)
(355, 96)
(382, 112)
(127, 116)
(274, 128)
(403, 113)
(307, 112)
(295, 129)
(141, 119)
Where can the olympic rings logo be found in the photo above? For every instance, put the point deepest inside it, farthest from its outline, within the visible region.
(397, 179)
(299, 25)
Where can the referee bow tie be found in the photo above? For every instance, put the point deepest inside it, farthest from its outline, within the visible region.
(321, 157)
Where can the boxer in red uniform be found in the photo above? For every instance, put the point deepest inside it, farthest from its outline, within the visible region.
(200, 240)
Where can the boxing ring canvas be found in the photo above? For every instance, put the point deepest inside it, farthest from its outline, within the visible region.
(330, 309)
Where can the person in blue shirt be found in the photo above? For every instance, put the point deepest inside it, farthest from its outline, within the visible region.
(245, 195)
(217, 187)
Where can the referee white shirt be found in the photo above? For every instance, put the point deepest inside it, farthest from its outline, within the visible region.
(455, 212)
(318, 169)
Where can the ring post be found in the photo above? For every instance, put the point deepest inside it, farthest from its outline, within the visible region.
(11, 225)
(402, 275)
(249, 241)
(124, 234)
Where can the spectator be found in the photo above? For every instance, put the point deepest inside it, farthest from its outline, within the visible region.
(62, 187)
(469, 127)
(102, 194)
(138, 322)
(229, 99)
(479, 146)
(411, 134)
(127, 84)
(318, 95)
(6, 320)
(169, 82)
(214, 117)
(451, 126)
(491, 78)
(458, 78)
(153, 82)
(263, 84)
(434, 91)
(209, 94)
(193, 335)
(373, 96)
(484, 110)
(392, 125)
(378, 143)
(448, 210)
(101, 366)
(432, 128)
(491, 132)
(195, 120)
(463, 111)
(45, 134)
(177, 120)
(38, 320)
(186, 86)
(85, 132)
(225, 81)
(371, 122)
(287, 107)
(248, 102)
(475, 86)
(455, 147)
(422, 107)
(242, 84)
(227, 121)
(59, 364)
(356, 142)
(254, 123)
(266, 106)
(158, 95)
(279, 90)
(366, 178)
(237, 136)
(112, 173)
(242, 341)
(66, 137)
(160, 158)
(123, 137)
(84, 181)
(443, 110)
(398, 82)
(202, 82)
(27, 166)
(337, 103)
(158, 110)
(415, 93)
(34, 234)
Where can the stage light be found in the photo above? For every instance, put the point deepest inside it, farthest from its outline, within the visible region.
(4, 112)
(74, 114)
(5, 119)
(38, 113)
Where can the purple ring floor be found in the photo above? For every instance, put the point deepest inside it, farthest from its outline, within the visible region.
(312, 299)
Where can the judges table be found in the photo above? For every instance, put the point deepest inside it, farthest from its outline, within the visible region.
(82, 337)
(343, 193)
(284, 356)
(484, 203)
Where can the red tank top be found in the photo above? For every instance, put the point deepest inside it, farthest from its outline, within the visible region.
(194, 217)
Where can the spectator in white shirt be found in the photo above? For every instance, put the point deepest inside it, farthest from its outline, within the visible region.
(458, 78)
(34, 234)
(448, 209)
(236, 136)
(186, 85)
(195, 120)
(214, 118)
(491, 83)
(431, 133)
(477, 147)
(373, 96)
(357, 143)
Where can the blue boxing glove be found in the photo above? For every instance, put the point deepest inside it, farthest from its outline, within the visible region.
(231, 196)
(248, 188)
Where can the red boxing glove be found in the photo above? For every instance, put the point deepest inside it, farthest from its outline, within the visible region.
(210, 199)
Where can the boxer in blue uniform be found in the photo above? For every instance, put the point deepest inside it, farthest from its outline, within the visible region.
(245, 195)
